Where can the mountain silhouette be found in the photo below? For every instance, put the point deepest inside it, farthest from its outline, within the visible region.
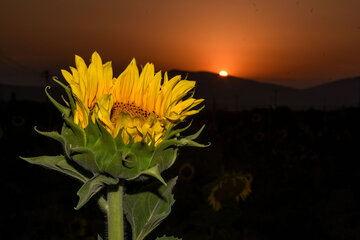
(340, 93)
(234, 94)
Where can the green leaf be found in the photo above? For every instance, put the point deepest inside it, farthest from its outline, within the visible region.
(146, 210)
(57, 163)
(85, 158)
(93, 186)
(64, 110)
(167, 238)
(71, 170)
(46, 161)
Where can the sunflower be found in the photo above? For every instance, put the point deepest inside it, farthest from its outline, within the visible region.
(233, 186)
(143, 106)
(88, 85)
(118, 129)
(140, 105)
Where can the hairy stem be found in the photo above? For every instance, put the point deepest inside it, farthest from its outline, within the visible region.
(103, 204)
(115, 212)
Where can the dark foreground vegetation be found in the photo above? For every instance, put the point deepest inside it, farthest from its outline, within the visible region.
(305, 178)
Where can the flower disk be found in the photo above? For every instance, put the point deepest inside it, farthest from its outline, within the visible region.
(141, 106)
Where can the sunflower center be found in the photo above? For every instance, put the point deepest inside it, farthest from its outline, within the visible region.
(130, 108)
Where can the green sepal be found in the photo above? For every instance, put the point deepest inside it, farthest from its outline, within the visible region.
(125, 165)
(195, 135)
(171, 133)
(168, 132)
(167, 238)
(93, 186)
(104, 148)
(130, 161)
(73, 133)
(57, 163)
(139, 155)
(185, 141)
(164, 159)
(58, 137)
(92, 132)
(154, 172)
(165, 153)
(116, 167)
(188, 140)
(68, 92)
(119, 141)
(64, 110)
(85, 158)
(99, 238)
(135, 159)
(54, 135)
(145, 210)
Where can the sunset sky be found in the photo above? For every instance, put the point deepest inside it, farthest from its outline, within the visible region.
(297, 43)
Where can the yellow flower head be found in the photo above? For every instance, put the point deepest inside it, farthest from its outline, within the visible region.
(144, 106)
(141, 106)
(119, 129)
(88, 85)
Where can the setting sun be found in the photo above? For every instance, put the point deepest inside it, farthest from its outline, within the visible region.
(223, 73)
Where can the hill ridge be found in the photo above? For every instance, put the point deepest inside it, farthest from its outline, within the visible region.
(234, 94)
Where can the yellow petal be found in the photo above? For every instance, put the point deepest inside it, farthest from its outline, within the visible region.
(88, 85)
(122, 121)
(153, 92)
(99, 74)
(103, 110)
(68, 77)
(108, 77)
(80, 65)
(181, 89)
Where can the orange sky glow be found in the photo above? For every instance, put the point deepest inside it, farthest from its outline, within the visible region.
(292, 43)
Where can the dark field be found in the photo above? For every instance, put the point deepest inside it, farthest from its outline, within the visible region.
(304, 166)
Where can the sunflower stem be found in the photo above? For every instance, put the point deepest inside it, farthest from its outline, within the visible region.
(115, 212)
